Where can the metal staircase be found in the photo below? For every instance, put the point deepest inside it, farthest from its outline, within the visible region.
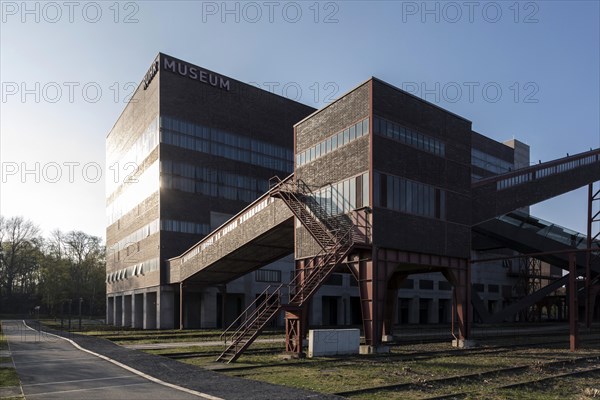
(335, 234)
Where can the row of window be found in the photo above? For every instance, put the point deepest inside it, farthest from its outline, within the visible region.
(567, 166)
(121, 165)
(208, 189)
(400, 194)
(267, 275)
(139, 269)
(408, 136)
(211, 182)
(344, 196)
(196, 228)
(227, 228)
(224, 144)
(334, 142)
(514, 180)
(136, 236)
(212, 175)
(544, 172)
(136, 191)
(489, 162)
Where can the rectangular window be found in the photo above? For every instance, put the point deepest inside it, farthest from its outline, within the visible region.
(426, 284)
(384, 189)
(334, 280)
(390, 191)
(352, 197)
(359, 129)
(267, 275)
(365, 189)
(340, 139)
(352, 132)
(346, 136)
(359, 188)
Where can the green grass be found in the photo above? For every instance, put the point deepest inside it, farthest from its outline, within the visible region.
(9, 377)
(338, 374)
(3, 342)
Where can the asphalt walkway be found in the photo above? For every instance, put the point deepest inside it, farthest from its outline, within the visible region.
(51, 367)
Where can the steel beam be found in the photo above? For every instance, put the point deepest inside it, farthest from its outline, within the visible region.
(573, 309)
(461, 281)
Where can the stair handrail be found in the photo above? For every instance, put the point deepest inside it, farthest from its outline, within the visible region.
(259, 311)
(340, 249)
(246, 315)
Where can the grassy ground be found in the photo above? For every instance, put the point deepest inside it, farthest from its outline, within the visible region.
(136, 336)
(422, 369)
(8, 375)
(417, 367)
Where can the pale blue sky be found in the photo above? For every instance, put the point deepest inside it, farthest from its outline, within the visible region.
(542, 55)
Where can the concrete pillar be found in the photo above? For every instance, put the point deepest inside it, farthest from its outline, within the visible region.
(316, 306)
(119, 310)
(138, 310)
(434, 307)
(150, 310)
(346, 314)
(110, 310)
(166, 309)
(413, 310)
(208, 309)
(127, 310)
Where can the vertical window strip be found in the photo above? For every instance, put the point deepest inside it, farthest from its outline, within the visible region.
(408, 136)
(400, 194)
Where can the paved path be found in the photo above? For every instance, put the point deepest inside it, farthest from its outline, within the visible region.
(51, 367)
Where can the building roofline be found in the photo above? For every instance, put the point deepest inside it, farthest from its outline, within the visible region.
(333, 102)
(236, 80)
(420, 99)
(373, 78)
(134, 92)
(160, 54)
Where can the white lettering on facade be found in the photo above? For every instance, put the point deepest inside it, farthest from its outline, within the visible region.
(150, 74)
(194, 73)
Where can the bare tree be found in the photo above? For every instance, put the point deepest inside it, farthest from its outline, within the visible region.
(19, 243)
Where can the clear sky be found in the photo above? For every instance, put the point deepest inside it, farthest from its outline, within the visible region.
(528, 70)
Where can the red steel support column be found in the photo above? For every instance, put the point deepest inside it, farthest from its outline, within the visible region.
(573, 309)
(296, 318)
(294, 330)
(372, 285)
(391, 300)
(588, 260)
(591, 257)
(460, 278)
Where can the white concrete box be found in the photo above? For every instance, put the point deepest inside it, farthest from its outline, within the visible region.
(328, 342)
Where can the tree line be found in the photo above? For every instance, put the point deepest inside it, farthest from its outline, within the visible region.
(50, 275)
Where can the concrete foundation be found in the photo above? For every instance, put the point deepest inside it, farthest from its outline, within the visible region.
(367, 349)
(324, 342)
(463, 344)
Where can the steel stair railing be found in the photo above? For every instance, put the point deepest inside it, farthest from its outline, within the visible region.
(336, 240)
(251, 322)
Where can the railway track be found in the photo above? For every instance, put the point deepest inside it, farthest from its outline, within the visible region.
(582, 366)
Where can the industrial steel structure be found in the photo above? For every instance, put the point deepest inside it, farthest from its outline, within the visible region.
(379, 183)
